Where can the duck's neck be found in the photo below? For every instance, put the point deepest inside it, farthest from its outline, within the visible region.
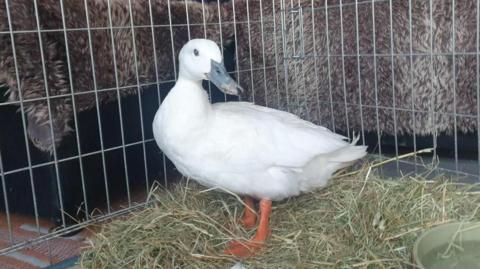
(189, 101)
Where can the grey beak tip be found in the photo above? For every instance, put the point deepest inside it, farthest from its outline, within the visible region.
(220, 77)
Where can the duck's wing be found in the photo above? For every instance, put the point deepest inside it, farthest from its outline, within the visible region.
(248, 135)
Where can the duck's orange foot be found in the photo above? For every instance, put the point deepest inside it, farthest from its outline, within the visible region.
(248, 221)
(249, 218)
(252, 246)
(244, 248)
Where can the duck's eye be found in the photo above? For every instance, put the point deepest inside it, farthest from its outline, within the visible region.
(195, 52)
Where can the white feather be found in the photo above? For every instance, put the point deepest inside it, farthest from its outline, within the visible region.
(245, 148)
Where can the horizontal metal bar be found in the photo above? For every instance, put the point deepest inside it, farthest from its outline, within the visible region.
(121, 88)
(84, 92)
(72, 228)
(400, 109)
(77, 157)
(335, 6)
(311, 56)
(126, 27)
(452, 171)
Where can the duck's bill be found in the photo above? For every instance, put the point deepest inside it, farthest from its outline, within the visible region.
(218, 75)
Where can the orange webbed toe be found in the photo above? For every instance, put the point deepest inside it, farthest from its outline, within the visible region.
(252, 246)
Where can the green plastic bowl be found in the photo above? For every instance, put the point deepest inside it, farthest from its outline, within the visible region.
(452, 245)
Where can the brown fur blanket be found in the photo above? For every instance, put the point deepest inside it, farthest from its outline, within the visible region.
(80, 79)
(291, 67)
(327, 89)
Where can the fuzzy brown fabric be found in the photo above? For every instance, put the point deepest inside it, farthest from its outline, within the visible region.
(28, 54)
(315, 88)
(427, 85)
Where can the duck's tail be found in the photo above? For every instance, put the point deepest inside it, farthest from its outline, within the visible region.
(319, 170)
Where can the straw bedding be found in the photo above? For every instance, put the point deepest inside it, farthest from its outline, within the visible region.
(358, 221)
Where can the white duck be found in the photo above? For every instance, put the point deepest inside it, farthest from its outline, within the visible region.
(250, 150)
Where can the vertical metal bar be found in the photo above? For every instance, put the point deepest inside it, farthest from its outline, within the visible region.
(343, 69)
(454, 73)
(204, 19)
(250, 52)
(171, 39)
(205, 35)
(478, 86)
(314, 34)
(157, 81)
(394, 105)
(45, 77)
(284, 47)
(24, 121)
(57, 172)
(140, 103)
(433, 97)
(97, 103)
(359, 73)
(263, 54)
(188, 20)
(69, 67)
(276, 52)
(5, 200)
(172, 43)
(236, 41)
(329, 66)
(294, 53)
(117, 86)
(410, 27)
(302, 63)
(221, 35)
(375, 79)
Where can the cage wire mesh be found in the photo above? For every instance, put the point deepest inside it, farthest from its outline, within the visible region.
(88, 76)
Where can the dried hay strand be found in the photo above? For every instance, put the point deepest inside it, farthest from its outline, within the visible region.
(360, 220)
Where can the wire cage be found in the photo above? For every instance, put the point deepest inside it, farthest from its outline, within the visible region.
(82, 80)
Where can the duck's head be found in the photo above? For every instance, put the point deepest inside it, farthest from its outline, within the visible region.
(201, 59)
